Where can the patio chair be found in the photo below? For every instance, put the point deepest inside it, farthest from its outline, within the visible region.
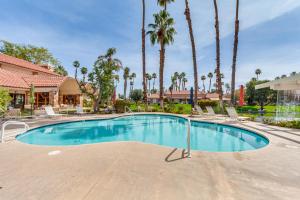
(197, 111)
(13, 113)
(211, 112)
(234, 115)
(50, 112)
(140, 109)
(79, 110)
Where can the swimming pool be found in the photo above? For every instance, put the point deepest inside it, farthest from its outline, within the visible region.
(165, 130)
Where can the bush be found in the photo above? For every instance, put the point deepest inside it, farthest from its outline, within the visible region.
(4, 100)
(120, 105)
(246, 109)
(87, 103)
(203, 103)
(287, 124)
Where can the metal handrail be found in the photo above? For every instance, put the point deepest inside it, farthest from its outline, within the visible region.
(189, 138)
(5, 124)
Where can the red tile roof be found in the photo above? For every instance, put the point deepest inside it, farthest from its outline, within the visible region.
(9, 79)
(23, 63)
(44, 81)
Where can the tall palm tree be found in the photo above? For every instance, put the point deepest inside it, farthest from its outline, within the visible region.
(162, 32)
(133, 76)
(173, 80)
(163, 3)
(257, 72)
(189, 21)
(154, 76)
(180, 77)
(218, 73)
(84, 72)
(144, 56)
(76, 64)
(210, 76)
(176, 76)
(203, 78)
(125, 76)
(235, 49)
(184, 81)
(149, 77)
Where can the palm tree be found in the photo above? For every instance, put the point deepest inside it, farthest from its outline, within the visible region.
(125, 76)
(133, 76)
(176, 76)
(277, 77)
(180, 77)
(173, 80)
(218, 73)
(293, 73)
(162, 32)
(257, 72)
(227, 86)
(184, 81)
(84, 71)
(235, 49)
(149, 77)
(210, 76)
(163, 3)
(203, 78)
(189, 21)
(144, 56)
(154, 76)
(76, 64)
(283, 76)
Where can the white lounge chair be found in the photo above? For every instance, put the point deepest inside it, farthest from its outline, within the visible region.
(197, 111)
(210, 110)
(79, 110)
(50, 112)
(234, 115)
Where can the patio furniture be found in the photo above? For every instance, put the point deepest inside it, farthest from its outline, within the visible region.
(234, 115)
(50, 112)
(140, 109)
(13, 113)
(211, 112)
(79, 110)
(197, 111)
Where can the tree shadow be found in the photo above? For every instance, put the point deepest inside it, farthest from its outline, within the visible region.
(184, 155)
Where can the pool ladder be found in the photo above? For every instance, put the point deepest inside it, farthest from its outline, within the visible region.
(189, 138)
(5, 124)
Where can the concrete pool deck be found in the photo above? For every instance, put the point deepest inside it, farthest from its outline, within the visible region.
(133, 170)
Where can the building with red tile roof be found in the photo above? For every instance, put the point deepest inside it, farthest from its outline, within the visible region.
(18, 75)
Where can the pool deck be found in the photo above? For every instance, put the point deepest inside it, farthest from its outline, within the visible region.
(133, 170)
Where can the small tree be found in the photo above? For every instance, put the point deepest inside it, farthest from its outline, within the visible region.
(136, 95)
(31, 98)
(5, 98)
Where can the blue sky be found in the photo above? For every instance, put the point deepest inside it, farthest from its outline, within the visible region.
(83, 29)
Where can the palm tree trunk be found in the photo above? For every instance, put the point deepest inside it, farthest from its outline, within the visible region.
(125, 88)
(203, 86)
(209, 85)
(161, 74)
(149, 86)
(144, 57)
(218, 74)
(189, 21)
(235, 48)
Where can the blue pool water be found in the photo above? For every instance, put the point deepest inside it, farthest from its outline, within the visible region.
(155, 129)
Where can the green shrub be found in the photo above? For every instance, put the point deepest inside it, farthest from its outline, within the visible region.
(4, 100)
(246, 109)
(180, 109)
(121, 104)
(287, 124)
(206, 102)
(87, 103)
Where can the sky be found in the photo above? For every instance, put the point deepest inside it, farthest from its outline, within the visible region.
(84, 29)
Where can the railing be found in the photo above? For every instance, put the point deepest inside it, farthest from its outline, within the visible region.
(5, 124)
(189, 138)
(127, 108)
